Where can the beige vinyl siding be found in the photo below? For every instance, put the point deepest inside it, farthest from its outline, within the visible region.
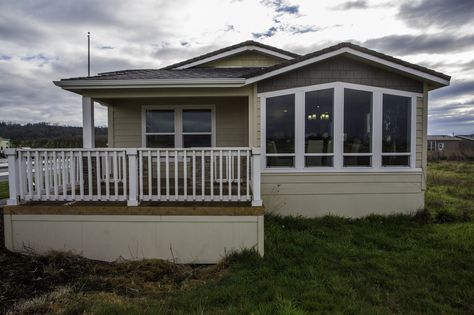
(231, 119)
(245, 59)
(346, 194)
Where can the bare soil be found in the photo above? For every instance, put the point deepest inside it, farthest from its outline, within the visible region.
(25, 277)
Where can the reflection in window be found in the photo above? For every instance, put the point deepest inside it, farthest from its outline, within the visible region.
(357, 127)
(280, 130)
(160, 129)
(197, 128)
(319, 127)
(396, 130)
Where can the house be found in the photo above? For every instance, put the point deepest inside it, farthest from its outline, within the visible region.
(197, 148)
(467, 145)
(442, 147)
(4, 144)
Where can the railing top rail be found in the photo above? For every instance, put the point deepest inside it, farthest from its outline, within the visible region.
(70, 149)
(197, 149)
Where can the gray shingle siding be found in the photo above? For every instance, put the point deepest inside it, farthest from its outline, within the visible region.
(343, 69)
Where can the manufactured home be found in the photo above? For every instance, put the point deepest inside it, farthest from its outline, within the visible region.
(199, 150)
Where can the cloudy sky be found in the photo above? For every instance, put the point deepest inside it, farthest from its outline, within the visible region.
(45, 40)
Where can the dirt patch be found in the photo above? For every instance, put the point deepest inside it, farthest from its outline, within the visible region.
(27, 277)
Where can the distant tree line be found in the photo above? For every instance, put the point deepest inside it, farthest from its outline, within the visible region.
(45, 135)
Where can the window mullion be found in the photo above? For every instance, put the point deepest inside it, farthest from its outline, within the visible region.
(178, 128)
(299, 129)
(413, 132)
(338, 126)
(377, 130)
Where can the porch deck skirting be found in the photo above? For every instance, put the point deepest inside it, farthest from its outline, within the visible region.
(197, 235)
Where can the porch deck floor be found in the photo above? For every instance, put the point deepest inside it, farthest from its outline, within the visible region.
(145, 208)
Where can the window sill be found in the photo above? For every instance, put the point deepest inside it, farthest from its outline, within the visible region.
(343, 170)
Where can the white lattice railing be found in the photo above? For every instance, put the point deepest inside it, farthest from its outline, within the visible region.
(134, 175)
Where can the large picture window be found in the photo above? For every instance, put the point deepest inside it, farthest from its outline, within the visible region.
(179, 127)
(357, 128)
(396, 130)
(338, 126)
(319, 128)
(280, 131)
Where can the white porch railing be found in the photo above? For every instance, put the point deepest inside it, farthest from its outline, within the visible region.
(134, 175)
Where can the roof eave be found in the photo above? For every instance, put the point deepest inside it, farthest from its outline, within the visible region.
(155, 83)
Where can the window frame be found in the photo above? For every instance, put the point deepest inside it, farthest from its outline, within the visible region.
(338, 112)
(178, 122)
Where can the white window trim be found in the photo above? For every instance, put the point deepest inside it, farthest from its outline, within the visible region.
(178, 122)
(338, 154)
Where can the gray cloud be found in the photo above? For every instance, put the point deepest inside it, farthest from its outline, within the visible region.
(424, 43)
(457, 117)
(456, 89)
(281, 6)
(268, 33)
(442, 13)
(358, 4)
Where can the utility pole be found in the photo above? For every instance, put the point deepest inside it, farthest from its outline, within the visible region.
(88, 54)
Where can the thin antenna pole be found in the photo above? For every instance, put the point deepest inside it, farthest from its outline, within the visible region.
(88, 54)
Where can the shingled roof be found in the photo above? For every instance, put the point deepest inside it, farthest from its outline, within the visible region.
(249, 73)
(191, 73)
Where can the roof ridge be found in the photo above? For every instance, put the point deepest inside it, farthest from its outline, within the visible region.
(228, 48)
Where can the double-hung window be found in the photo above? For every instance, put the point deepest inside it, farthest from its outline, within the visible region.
(178, 127)
(160, 128)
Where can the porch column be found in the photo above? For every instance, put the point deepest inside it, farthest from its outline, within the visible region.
(256, 197)
(13, 180)
(88, 134)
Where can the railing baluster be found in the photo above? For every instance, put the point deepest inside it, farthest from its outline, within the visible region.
(89, 174)
(81, 175)
(150, 192)
(167, 164)
(158, 174)
(176, 174)
(55, 176)
(140, 173)
(238, 174)
(220, 175)
(46, 175)
(30, 176)
(38, 174)
(63, 171)
(22, 178)
(194, 175)
(124, 174)
(247, 174)
(107, 176)
(185, 175)
(72, 177)
(229, 173)
(211, 177)
(98, 176)
(202, 175)
(115, 174)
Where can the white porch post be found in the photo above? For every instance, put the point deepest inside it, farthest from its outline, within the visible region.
(256, 170)
(13, 180)
(88, 134)
(133, 178)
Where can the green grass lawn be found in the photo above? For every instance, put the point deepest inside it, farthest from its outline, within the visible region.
(3, 190)
(422, 264)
